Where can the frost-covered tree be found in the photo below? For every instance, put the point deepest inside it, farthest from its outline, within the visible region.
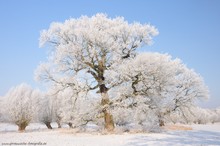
(73, 108)
(54, 105)
(21, 105)
(144, 83)
(64, 100)
(87, 47)
(157, 83)
(217, 111)
(188, 88)
(45, 111)
(204, 116)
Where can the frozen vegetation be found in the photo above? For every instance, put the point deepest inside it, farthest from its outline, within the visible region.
(100, 90)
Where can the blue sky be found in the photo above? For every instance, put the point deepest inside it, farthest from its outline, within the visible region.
(189, 30)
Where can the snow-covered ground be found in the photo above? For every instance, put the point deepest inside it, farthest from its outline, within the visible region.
(37, 134)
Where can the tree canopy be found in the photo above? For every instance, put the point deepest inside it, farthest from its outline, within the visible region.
(99, 55)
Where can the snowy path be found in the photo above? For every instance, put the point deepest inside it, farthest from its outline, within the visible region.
(201, 135)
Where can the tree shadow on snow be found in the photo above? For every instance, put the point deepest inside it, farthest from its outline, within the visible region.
(198, 138)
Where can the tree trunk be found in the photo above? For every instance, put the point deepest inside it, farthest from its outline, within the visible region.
(48, 125)
(109, 123)
(161, 123)
(161, 119)
(70, 125)
(59, 125)
(22, 126)
(108, 118)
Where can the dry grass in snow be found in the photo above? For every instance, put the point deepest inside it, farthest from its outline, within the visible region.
(177, 127)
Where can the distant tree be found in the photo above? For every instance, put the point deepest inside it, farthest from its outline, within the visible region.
(45, 111)
(204, 116)
(73, 108)
(21, 105)
(54, 105)
(217, 111)
(188, 88)
(88, 48)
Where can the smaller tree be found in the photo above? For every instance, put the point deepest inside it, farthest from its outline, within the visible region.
(189, 87)
(53, 107)
(20, 104)
(72, 106)
(156, 83)
(45, 112)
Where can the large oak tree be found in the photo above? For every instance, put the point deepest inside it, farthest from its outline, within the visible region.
(85, 48)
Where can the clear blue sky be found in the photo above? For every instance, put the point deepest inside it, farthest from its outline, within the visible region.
(189, 29)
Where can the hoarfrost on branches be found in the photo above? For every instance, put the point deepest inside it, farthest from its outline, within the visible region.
(98, 56)
(21, 105)
(156, 83)
(85, 48)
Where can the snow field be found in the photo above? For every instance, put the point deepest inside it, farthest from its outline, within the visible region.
(37, 134)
